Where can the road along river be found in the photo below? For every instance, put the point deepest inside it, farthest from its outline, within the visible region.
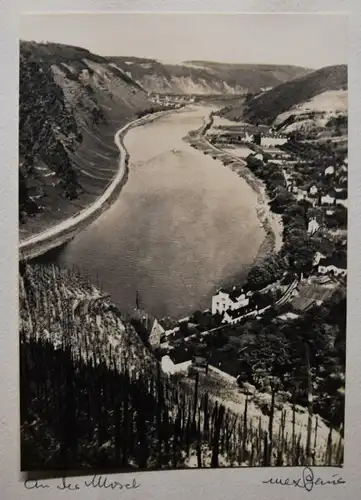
(182, 225)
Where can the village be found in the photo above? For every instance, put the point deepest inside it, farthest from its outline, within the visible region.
(307, 178)
(169, 101)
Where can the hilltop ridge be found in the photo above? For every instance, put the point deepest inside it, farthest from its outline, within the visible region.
(269, 107)
(205, 77)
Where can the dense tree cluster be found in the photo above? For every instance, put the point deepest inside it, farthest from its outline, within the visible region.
(278, 348)
(298, 249)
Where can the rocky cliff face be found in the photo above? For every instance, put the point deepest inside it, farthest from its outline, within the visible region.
(70, 105)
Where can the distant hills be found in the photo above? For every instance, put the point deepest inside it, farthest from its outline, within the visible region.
(204, 77)
(71, 103)
(299, 96)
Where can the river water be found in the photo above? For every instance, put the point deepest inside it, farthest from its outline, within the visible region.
(182, 225)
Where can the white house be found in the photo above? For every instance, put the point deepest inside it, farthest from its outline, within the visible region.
(224, 301)
(318, 256)
(313, 190)
(313, 226)
(329, 170)
(341, 197)
(301, 195)
(170, 368)
(341, 202)
(327, 200)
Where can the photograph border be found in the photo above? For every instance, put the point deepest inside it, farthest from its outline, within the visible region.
(9, 261)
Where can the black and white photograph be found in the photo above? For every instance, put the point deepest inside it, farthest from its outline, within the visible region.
(183, 208)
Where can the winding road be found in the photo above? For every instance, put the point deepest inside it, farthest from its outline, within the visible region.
(59, 234)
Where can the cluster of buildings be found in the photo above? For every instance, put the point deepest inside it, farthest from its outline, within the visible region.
(171, 101)
(327, 194)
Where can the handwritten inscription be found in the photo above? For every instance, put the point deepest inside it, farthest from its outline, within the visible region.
(69, 484)
(34, 485)
(307, 481)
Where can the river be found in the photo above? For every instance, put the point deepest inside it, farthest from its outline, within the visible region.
(182, 225)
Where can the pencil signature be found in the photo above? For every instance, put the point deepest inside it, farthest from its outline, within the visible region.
(307, 481)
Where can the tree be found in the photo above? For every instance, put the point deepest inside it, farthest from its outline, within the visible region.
(281, 200)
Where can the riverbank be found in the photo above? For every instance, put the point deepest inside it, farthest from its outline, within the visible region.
(66, 230)
(270, 222)
(166, 234)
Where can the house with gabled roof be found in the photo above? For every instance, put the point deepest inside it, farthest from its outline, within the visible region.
(313, 226)
(327, 200)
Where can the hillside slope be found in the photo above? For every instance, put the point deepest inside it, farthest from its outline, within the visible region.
(93, 394)
(320, 92)
(202, 77)
(70, 105)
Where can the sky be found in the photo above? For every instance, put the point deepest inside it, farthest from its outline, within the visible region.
(309, 40)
